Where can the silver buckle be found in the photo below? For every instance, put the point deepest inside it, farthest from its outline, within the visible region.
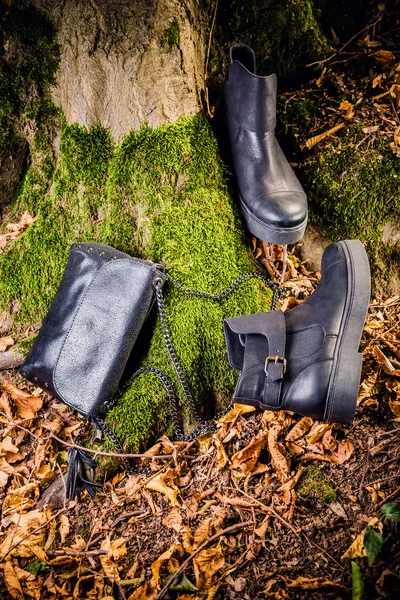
(275, 359)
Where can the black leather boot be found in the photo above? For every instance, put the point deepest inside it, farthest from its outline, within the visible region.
(307, 360)
(272, 201)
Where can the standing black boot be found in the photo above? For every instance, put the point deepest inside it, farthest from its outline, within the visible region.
(307, 360)
(272, 201)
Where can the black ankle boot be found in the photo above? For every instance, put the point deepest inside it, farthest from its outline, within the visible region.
(307, 360)
(272, 201)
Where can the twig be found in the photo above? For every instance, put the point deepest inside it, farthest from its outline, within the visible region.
(392, 460)
(272, 511)
(10, 360)
(392, 495)
(295, 531)
(134, 513)
(208, 59)
(59, 512)
(321, 62)
(95, 452)
(204, 545)
(379, 481)
(397, 430)
(232, 568)
(284, 262)
(71, 552)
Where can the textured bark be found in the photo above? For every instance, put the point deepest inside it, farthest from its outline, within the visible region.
(12, 168)
(10, 360)
(117, 67)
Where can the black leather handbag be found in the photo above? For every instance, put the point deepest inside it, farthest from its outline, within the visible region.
(89, 334)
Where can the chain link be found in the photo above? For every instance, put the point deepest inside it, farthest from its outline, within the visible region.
(202, 426)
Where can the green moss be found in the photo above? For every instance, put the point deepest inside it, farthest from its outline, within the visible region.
(314, 485)
(177, 212)
(172, 35)
(31, 268)
(354, 190)
(284, 34)
(25, 344)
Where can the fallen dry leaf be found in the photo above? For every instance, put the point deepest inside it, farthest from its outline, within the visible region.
(158, 484)
(115, 550)
(27, 405)
(173, 520)
(14, 230)
(384, 362)
(299, 429)
(7, 447)
(394, 406)
(311, 142)
(367, 386)
(385, 58)
(222, 458)
(348, 108)
(148, 591)
(314, 583)
(262, 529)
(238, 409)
(5, 343)
(356, 549)
(345, 105)
(206, 564)
(290, 483)
(317, 432)
(12, 582)
(64, 527)
(5, 471)
(278, 459)
(205, 442)
(165, 557)
(201, 533)
(246, 459)
(24, 524)
(342, 453)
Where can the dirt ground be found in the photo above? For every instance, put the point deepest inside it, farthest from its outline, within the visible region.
(270, 505)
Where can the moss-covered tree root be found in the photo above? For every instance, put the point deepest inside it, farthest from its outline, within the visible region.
(160, 195)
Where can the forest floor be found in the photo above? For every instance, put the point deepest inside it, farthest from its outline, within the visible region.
(270, 505)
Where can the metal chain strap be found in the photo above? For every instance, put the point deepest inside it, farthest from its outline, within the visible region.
(278, 292)
(202, 426)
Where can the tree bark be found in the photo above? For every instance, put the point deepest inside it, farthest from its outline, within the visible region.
(124, 63)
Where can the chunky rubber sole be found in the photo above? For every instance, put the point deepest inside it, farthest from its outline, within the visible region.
(271, 233)
(347, 360)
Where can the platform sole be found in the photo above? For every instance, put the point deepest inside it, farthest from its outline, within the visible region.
(271, 233)
(346, 369)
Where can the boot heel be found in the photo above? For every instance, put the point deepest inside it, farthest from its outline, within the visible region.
(345, 393)
(346, 370)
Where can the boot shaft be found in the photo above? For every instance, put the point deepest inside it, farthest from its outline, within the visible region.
(250, 99)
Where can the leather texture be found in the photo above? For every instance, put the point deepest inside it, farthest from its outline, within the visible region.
(273, 202)
(318, 334)
(89, 332)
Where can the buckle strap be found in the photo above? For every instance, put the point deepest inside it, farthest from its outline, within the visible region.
(256, 347)
(275, 364)
(277, 369)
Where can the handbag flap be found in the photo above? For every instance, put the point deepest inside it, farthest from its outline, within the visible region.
(102, 334)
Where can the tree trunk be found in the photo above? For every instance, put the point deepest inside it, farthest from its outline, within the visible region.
(125, 63)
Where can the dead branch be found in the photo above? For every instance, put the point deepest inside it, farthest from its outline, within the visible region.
(10, 360)
(227, 531)
(78, 447)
